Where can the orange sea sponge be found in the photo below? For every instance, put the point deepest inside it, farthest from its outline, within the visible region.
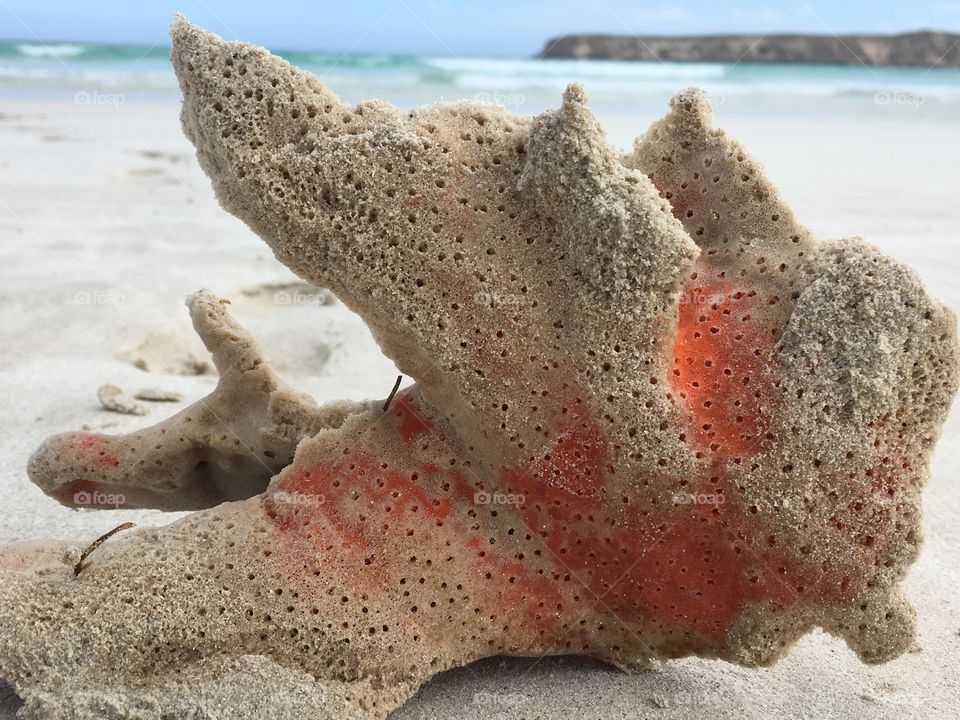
(653, 417)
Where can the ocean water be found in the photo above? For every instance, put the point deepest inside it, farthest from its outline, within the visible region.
(99, 73)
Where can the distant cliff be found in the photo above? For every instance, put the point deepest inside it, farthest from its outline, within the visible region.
(918, 49)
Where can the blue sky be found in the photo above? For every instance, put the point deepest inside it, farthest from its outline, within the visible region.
(455, 27)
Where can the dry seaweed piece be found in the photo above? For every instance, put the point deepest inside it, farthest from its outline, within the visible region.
(80, 567)
(393, 391)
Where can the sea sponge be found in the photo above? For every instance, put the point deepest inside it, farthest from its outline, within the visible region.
(652, 418)
(225, 447)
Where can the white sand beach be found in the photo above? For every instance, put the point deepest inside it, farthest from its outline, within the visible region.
(107, 223)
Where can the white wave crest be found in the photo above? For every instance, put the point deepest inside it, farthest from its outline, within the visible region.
(48, 50)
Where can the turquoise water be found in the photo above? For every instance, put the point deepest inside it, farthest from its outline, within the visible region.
(130, 72)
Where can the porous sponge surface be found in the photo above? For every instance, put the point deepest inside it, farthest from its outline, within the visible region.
(653, 415)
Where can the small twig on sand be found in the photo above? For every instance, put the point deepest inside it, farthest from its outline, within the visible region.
(79, 567)
(396, 386)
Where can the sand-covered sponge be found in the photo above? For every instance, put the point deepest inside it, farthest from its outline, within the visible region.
(653, 417)
(225, 447)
